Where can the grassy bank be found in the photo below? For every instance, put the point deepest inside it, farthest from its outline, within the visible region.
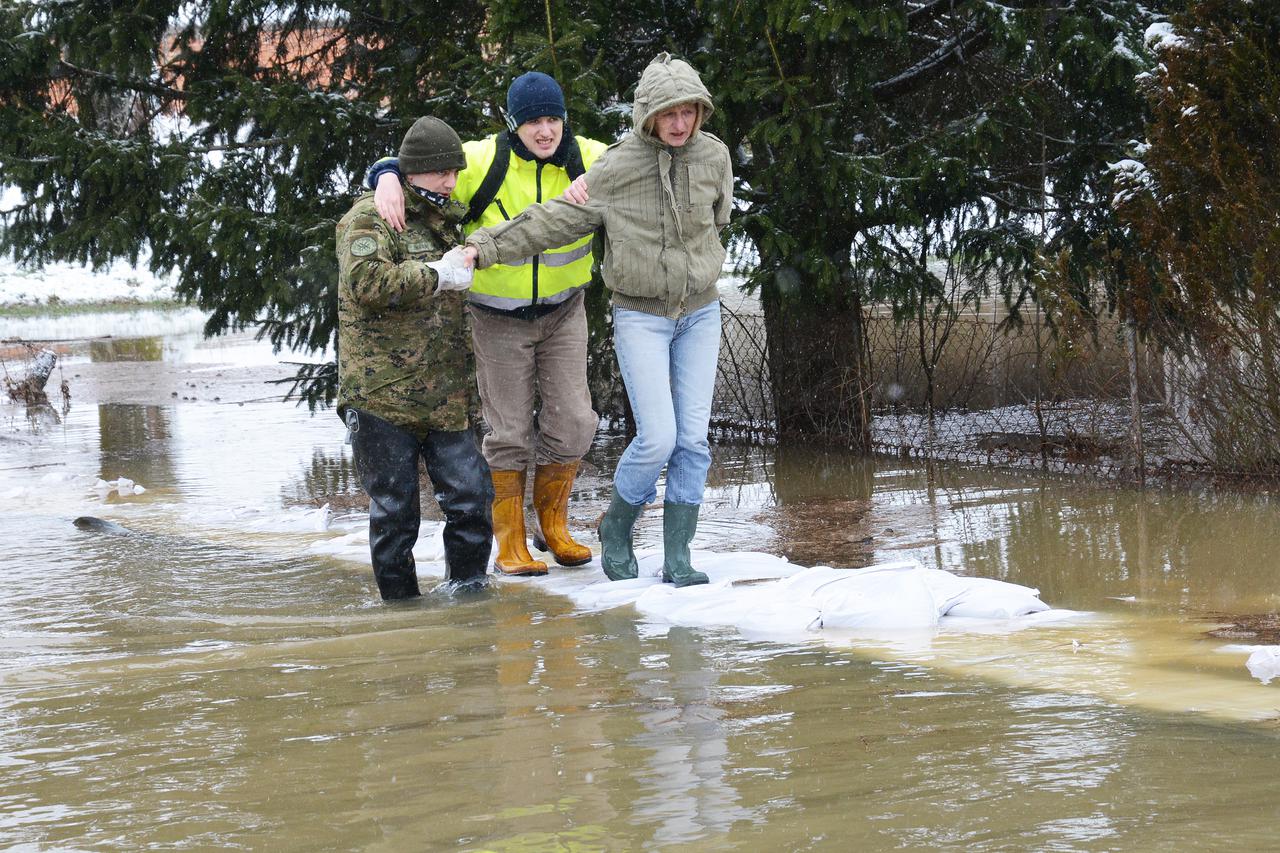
(58, 308)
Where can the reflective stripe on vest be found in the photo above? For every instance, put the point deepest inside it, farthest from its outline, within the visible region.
(507, 304)
(559, 271)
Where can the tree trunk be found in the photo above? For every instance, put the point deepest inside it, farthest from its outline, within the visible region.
(818, 372)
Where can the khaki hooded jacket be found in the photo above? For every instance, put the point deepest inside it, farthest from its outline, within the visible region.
(662, 208)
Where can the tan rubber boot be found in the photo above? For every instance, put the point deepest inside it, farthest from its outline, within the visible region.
(508, 526)
(552, 484)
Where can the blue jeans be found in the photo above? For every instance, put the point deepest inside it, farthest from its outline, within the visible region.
(669, 368)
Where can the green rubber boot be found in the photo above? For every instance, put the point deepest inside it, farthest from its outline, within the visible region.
(679, 521)
(616, 555)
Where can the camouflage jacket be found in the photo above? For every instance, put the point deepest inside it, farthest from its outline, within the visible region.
(404, 352)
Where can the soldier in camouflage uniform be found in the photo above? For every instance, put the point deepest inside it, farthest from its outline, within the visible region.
(406, 373)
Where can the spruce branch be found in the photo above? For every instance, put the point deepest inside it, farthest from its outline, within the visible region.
(929, 11)
(241, 146)
(969, 40)
(123, 83)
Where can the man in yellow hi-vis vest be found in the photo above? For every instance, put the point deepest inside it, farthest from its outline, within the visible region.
(529, 325)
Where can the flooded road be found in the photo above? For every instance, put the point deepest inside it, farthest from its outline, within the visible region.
(211, 681)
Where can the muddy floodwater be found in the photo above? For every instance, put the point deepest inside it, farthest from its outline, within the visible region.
(210, 680)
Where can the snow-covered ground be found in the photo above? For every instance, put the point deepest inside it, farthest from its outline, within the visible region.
(72, 283)
(69, 283)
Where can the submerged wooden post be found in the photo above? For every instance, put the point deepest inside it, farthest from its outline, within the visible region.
(30, 389)
(1135, 400)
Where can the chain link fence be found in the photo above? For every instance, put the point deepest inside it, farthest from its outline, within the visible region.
(988, 391)
(975, 387)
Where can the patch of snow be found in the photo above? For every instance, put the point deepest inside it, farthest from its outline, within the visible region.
(1127, 166)
(69, 283)
(1122, 49)
(122, 486)
(1161, 36)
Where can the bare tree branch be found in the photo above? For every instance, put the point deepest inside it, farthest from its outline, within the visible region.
(970, 40)
(122, 83)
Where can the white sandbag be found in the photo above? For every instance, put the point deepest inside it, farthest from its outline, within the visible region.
(296, 519)
(692, 606)
(752, 609)
(808, 582)
(947, 588)
(761, 594)
(1264, 663)
(880, 600)
(894, 595)
(742, 566)
(604, 594)
(988, 598)
(428, 551)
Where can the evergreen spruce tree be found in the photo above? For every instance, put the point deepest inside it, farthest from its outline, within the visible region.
(874, 135)
(1201, 200)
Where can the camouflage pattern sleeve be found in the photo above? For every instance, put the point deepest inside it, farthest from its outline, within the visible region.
(368, 260)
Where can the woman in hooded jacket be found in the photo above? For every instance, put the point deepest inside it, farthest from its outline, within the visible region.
(663, 194)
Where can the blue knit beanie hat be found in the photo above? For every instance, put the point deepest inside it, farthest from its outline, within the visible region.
(533, 95)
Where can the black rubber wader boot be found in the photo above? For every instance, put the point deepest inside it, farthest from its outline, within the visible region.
(464, 490)
(679, 521)
(386, 459)
(616, 525)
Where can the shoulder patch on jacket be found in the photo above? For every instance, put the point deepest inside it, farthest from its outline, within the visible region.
(362, 247)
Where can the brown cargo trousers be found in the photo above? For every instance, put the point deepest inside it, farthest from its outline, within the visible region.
(516, 358)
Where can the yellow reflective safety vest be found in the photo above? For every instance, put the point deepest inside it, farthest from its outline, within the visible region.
(548, 278)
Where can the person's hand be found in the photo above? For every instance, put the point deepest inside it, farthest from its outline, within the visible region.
(577, 191)
(470, 254)
(452, 271)
(388, 198)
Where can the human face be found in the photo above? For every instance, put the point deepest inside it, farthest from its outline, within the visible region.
(541, 135)
(441, 182)
(675, 125)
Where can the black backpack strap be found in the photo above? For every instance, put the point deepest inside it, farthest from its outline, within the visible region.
(573, 165)
(492, 182)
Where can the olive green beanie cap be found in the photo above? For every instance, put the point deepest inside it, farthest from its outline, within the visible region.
(430, 146)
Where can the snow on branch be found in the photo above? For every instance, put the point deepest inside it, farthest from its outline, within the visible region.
(971, 38)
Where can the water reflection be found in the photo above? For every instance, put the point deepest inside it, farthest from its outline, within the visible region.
(172, 325)
(135, 442)
(41, 418)
(1082, 546)
(823, 507)
(329, 478)
(126, 349)
(684, 789)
